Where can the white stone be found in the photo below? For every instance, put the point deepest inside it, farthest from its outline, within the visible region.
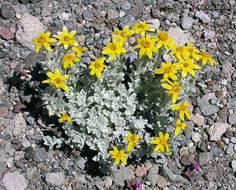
(216, 131)
(26, 144)
(14, 181)
(55, 179)
(196, 137)
(233, 164)
(198, 119)
(64, 16)
(154, 23)
(29, 28)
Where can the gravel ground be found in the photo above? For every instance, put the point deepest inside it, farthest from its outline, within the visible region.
(209, 139)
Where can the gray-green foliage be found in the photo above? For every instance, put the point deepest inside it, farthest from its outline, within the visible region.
(128, 97)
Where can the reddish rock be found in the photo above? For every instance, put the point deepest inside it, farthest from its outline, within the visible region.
(6, 34)
(3, 111)
(140, 171)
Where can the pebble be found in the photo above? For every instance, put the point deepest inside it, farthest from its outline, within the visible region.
(108, 182)
(121, 175)
(14, 181)
(161, 182)
(30, 172)
(186, 22)
(210, 176)
(19, 125)
(6, 34)
(173, 177)
(196, 137)
(205, 106)
(3, 111)
(125, 6)
(198, 119)
(55, 179)
(187, 159)
(203, 17)
(230, 149)
(155, 12)
(112, 14)
(216, 131)
(154, 23)
(178, 35)
(153, 174)
(140, 171)
(204, 157)
(29, 28)
(40, 155)
(127, 20)
(233, 165)
(6, 12)
(81, 163)
(46, 11)
(232, 119)
(88, 15)
(209, 34)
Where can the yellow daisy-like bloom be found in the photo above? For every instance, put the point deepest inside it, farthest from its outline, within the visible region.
(132, 139)
(193, 51)
(168, 69)
(65, 117)
(44, 38)
(173, 88)
(68, 59)
(78, 50)
(118, 155)
(147, 45)
(161, 142)
(66, 38)
(178, 126)
(164, 40)
(97, 67)
(141, 27)
(57, 80)
(122, 34)
(180, 52)
(183, 110)
(206, 57)
(187, 66)
(114, 48)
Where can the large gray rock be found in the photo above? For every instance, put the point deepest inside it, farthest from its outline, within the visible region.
(216, 131)
(153, 175)
(205, 106)
(29, 28)
(14, 181)
(55, 179)
(40, 155)
(121, 175)
(19, 125)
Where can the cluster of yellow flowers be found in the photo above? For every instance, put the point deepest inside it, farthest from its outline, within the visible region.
(147, 44)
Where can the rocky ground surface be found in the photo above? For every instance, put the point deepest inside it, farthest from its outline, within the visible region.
(209, 139)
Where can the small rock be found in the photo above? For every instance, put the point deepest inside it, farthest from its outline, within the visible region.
(81, 163)
(112, 14)
(156, 12)
(140, 171)
(127, 20)
(125, 6)
(40, 155)
(173, 177)
(3, 167)
(187, 159)
(64, 16)
(223, 112)
(233, 165)
(80, 179)
(196, 137)
(14, 181)
(3, 111)
(154, 23)
(186, 22)
(216, 131)
(35, 177)
(178, 35)
(161, 182)
(198, 119)
(204, 157)
(88, 15)
(19, 125)
(29, 28)
(6, 34)
(232, 119)
(203, 17)
(30, 172)
(55, 179)
(6, 12)
(205, 106)
(209, 34)
(122, 174)
(153, 175)
(210, 176)
(46, 11)
(108, 182)
(28, 153)
(230, 149)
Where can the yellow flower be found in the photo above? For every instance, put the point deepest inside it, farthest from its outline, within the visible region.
(147, 45)
(97, 67)
(193, 51)
(164, 40)
(43, 39)
(187, 66)
(173, 88)
(141, 27)
(161, 142)
(180, 52)
(206, 57)
(78, 50)
(65, 117)
(122, 34)
(178, 126)
(132, 139)
(57, 80)
(118, 155)
(114, 48)
(183, 109)
(168, 69)
(68, 59)
(66, 38)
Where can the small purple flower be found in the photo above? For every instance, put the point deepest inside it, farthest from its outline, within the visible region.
(196, 165)
(138, 186)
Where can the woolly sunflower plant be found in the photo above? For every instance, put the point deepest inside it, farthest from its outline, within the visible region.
(120, 106)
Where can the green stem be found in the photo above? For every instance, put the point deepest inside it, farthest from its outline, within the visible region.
(158, 58)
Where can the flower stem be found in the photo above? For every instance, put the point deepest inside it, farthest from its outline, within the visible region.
(158, 58)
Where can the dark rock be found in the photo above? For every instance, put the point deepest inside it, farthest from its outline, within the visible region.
(32, 59)
(6, 12)
(156, 12)
(19, 164)
(88, 15)
(86, 2)
(24, 2)
(187, 159)
(28, 153)
(19, 107)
